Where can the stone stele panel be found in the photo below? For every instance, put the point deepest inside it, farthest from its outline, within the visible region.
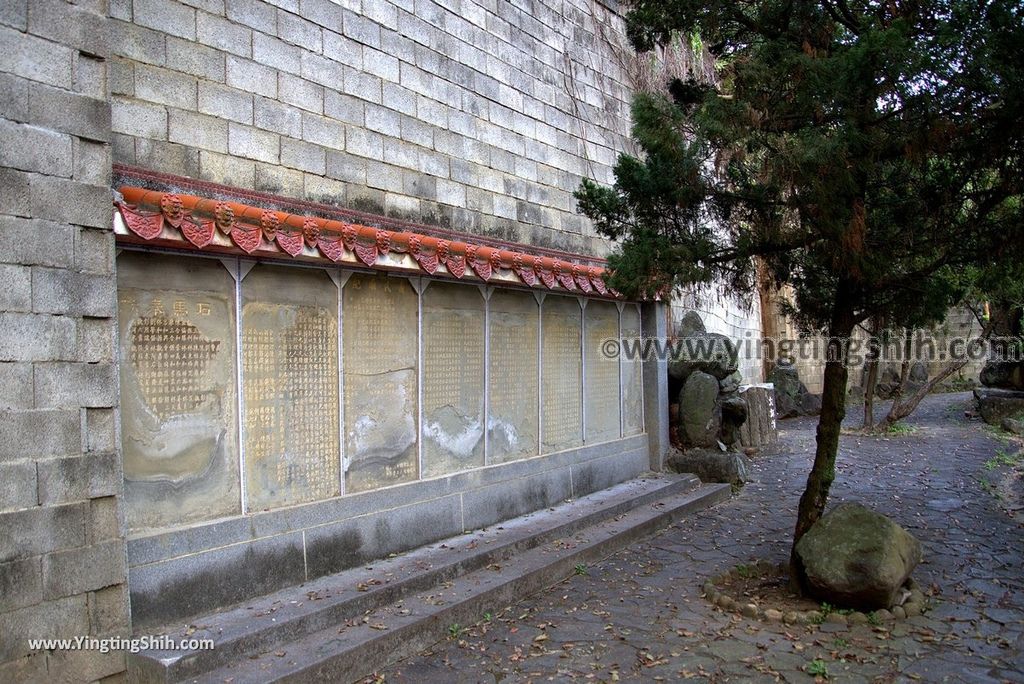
(379, 338)
(290, 386)
(176, 322)
(601, 394)
(632, 380)
(512, 417)
(562, 374)
(453, 378)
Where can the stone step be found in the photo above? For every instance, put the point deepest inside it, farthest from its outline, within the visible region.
(348, 652)
(300, 617)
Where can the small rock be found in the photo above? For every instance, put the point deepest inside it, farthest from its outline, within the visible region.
(731, 383)
(811, 616)
(899, 613)
(726, 602)
(883, 614)
(912, 608)
(791, 618)
(836, 618)
(915, 596)
(773, 615)
(749, 610)
(858, 618)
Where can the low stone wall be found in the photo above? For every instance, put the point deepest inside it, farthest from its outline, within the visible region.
(181, 573)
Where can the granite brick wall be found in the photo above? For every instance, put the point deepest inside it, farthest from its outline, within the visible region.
(62, 549)
(479, 115)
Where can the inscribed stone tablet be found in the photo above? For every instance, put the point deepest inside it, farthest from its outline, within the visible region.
(290, 386)
(563, 426)
(453, 378)
(632, 383)
(512, 416)
(602, 391)
(177, 362)
(380, 351)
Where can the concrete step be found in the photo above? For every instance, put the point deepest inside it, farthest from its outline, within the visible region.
(486, 570)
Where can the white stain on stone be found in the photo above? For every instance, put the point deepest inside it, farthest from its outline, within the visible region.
(459, 443)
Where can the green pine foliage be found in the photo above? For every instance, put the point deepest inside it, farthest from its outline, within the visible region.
(872, 148)
(867, 154)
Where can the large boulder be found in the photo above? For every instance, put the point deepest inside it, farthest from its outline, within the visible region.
(856, 558)
(734, 414)
(690, 325)
(1003, 374)
(888, 382)
(699, 410)
(711, 465)
(711, 353)
(791, 395)
(995, 404)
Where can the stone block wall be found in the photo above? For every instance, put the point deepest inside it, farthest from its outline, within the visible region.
(62, 549)
(479, 115)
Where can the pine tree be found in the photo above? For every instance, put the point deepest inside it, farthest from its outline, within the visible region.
(864, 152)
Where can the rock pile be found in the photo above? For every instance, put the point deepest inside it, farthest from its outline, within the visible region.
(791, 395)
(704, 378)
(712, 406)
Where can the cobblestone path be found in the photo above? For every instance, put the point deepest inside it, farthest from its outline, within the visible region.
(639, 615)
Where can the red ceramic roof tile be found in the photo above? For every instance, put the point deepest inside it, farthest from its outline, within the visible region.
(185, 221)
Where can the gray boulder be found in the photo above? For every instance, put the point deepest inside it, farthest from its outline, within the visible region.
(699, 410)
(1003, 374)
(711, 353)
(711, 465)
(734, 414)
(995, 404)
(888, 382)
(856, 558)
(731, 383)
(690, 325)
(791, 395)
(918, 374)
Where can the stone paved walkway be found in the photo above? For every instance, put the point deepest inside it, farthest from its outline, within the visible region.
(639, 615)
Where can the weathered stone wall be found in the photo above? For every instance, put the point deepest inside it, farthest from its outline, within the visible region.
(475, 114)
(62, 550)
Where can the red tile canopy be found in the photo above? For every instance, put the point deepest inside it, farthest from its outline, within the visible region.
(183, 221)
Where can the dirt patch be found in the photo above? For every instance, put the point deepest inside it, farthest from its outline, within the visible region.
(766, 591)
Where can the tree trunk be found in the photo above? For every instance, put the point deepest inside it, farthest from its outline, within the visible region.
(901, 409)
(871, 381)
(908, 349)
(833, 410)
